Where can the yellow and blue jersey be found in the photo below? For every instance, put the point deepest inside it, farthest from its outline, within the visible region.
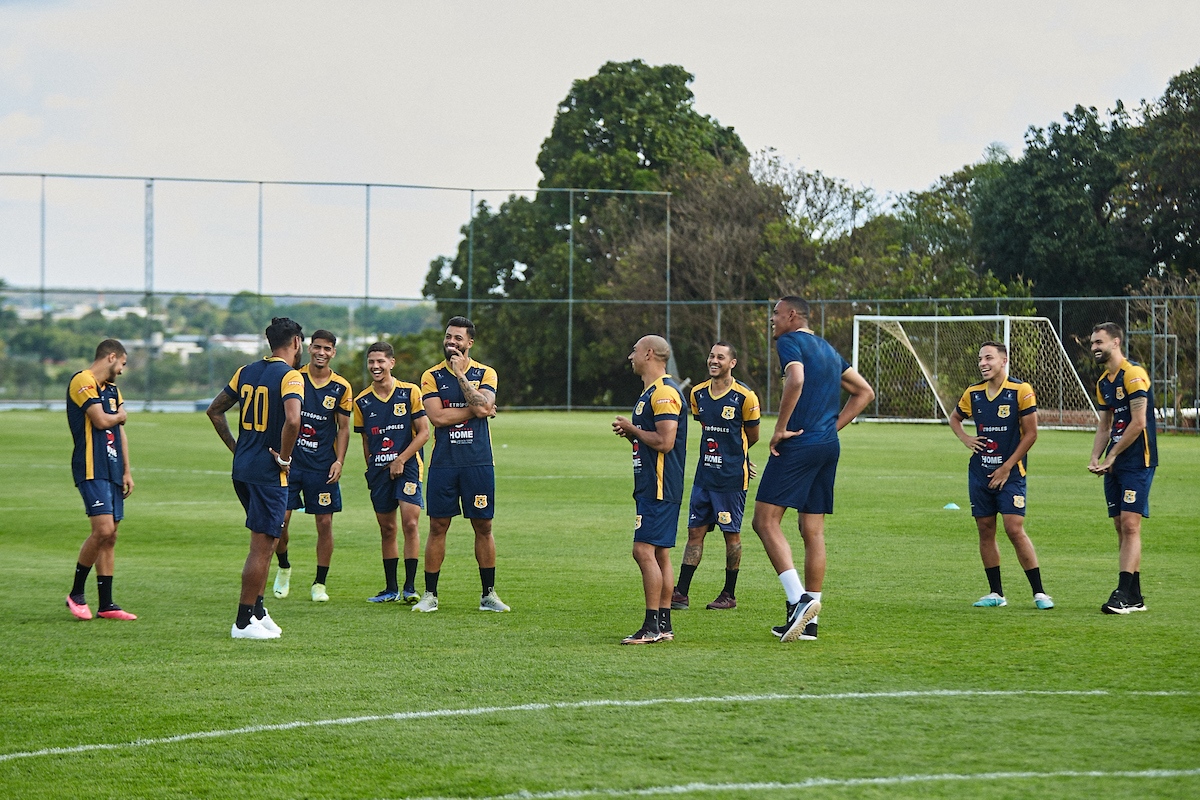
(817, 410)
(260, 389)
(998, 417)
(387, 424)
(97, 455)
(723, 418)
(318, 421)
(659, 476)
(1114, 393)
(467, 444)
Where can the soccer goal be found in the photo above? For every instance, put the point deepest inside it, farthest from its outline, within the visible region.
(919, 366)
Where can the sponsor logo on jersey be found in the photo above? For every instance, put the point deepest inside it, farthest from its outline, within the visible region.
(1130, 497)
(1003, 411)
(387, 443)
(410, 487)
(324, 498)
(329, 402)
(724, 517)
(727, 412)
(1018, 501)
(307, 431)
(637, 522)
(481, 501)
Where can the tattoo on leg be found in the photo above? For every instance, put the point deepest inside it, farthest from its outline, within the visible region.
(691, 554)
(733, 555)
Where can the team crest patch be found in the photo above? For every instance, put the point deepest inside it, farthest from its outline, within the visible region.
(637, 522)
(481, 501)
(324, 498)
(1018, 501)
(410, 487)
(1120, 392)
(1130, 496)
(329, 402)
(640, 407)
(1003, 411)
(400, 409)
(112, 405)
(727, 412)
(724, 517)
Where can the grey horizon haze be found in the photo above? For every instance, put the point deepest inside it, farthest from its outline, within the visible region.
(884, 95)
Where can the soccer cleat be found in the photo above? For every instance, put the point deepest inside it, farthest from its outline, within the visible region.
(492, 602)
(386, 596)
(1139, 604)
(79, 609)
(992, 600)
(802, 614)
(810, 632)
(679, 602)
(252, 631)
(116, 612)
(428, 602)
(410, 597)
(268, 623)
(643, 636)
(787, 613)
(666, 636)
(1043, 601)
(283, 582)
(1119, 603)
(319, 595)
(724, 600)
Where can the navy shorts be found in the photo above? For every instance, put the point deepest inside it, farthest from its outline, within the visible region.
(801, 478)
(656, 522)
(307, 489)
(1008, 499)
(102, 497)
(724, 509)
(470, 491)
(387, 494)
(1128, 489)
(265, 506)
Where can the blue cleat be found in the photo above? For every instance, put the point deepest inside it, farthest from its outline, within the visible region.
(386, 596)
(1043, 601)
(992, 600)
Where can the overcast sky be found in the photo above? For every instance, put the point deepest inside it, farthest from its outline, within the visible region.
(888, 95)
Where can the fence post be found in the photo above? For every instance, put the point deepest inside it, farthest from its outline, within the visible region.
(42, 299)
(471, 255)
(570, 290)
(149, 236)
(668, 268)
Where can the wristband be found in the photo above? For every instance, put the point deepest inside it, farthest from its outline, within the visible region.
(283, 463)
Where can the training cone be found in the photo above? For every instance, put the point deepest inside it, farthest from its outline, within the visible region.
(951, 507)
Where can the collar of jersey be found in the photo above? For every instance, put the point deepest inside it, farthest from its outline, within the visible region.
(722, 394)
(328, 380)
(1112, 376)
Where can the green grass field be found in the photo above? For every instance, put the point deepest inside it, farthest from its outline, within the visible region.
(909, 691)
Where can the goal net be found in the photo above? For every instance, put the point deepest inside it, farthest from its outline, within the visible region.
(919, 366)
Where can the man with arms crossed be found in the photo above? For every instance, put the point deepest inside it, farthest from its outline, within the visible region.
(1005, 414)
(802, 465)
(658, 431)
(270, 394)
(391, 419)
(313, 482)
(727, 411)
(460, 396)
(100, 467)
(1126, 439)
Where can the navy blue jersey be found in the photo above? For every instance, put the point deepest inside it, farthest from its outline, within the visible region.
(260, 389)
(318, 421)
(723, 419)
(1113, 393)
(659, 476)
(998, 417)
(387, 424)
(467, 444)
(97, 454)
(817, 410)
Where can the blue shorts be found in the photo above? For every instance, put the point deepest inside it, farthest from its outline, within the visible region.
(319, 497)
(470, 491)
(387, 494)
(656, 522)
(1128, 489)
(102, 497)
(1008, 499)
(708, 508)
(265, 506)
(801, 478)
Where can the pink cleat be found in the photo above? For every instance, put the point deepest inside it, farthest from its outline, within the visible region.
(80, 610)
(117, 613)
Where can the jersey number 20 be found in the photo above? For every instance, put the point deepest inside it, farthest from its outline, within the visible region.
(254, 408)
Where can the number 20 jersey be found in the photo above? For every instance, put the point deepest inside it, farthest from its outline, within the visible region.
(260, 389)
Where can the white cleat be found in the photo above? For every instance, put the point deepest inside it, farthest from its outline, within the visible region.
(319, 595)
(492, 602)
(428, 602)
(283, 582)
(254, 630)
(268, 623)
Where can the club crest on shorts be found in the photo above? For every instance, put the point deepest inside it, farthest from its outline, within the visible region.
(724, 517)
(324, 498)
(1130, 496)
(410, 487)
(1120, 392)
(399, 409)
(727, 412)
(1018, 501)
(329, 402)
(1003, 411)
(637, 522)
(481, 501)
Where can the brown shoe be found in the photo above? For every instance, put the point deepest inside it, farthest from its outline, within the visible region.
(679, 602)
(724, 600)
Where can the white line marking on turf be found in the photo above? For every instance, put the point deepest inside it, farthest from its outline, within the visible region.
(814, 783)
(657, 701)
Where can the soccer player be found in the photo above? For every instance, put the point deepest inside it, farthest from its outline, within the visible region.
(314, 480)
(460, 396)
(270, 394)
(391, 418)
(802, 465)
(1126, 439)
(727, 411)
(1005, 414)
(100, 467)
(658, 431)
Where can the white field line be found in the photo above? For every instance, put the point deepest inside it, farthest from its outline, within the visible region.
(482, 710)
(225, 472)
(817, 783)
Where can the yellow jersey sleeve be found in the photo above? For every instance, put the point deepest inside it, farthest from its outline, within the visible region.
(489, 379)
(1136, 381)
(83, 389)
(750, 409)
(964, 404)
(1026, 400)
(692, 400)
(665, 401)
(429, 385)
(346, 403)
(292, 385)
(416, 403)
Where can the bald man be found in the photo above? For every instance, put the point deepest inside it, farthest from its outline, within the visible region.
(658, 431)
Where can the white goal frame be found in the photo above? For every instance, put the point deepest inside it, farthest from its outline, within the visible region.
(1063, 400)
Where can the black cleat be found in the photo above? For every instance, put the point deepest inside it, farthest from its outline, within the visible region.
(801, 614)
(1119, 603)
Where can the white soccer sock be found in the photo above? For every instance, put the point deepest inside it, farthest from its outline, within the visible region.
(791, 585)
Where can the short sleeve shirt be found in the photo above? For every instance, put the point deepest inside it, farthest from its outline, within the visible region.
(724, 418)
(659, 476)
(999, 419)
(817, 410)
(318, 421)
(386, 424)
(97, 453)
(467, 444)
(1114, 393)
(260, 389)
